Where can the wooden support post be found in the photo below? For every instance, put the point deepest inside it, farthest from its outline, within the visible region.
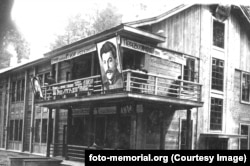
(56, 114)
(162, 130)
(25, 108)
(49, 132)
(117, 126)
(128, 85)
(69, 126)
(189, 130)
(8, 113)
(156, 85)
(33, 108)
(248, 138)
(134, 126)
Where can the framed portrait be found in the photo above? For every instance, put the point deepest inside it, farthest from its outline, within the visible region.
(110, 64)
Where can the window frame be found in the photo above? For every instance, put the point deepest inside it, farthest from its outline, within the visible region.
(241, 88)
(40, 130)
(224, 34)
(15, 130)
(240, 129)
(17, 90)
(216, 112)
(216, 79)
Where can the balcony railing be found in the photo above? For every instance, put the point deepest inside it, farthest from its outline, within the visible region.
(134, 81)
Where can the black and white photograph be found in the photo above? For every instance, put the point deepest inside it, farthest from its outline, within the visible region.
(119, 82)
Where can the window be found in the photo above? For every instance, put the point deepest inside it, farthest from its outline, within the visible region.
(216, 114)
(11, 134)
(17, 90)
(245, 87)
(44, 130)
(13, 91)
(43, 78)
(37, 130)
(41, 125)
(189, 70)
(16, 130)
(243, 141)
(218, 34)
(217, 74)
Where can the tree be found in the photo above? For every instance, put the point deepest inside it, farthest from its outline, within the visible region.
(81, 26)
(106, 19)
(9, 35)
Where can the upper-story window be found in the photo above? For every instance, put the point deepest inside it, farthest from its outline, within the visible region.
(43, 78)
(217, 74)
(245, 87)
(17, 90)
(218, 34)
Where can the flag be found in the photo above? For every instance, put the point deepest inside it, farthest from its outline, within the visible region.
(35, 83)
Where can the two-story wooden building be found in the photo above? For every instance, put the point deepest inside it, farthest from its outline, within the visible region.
(176, 81)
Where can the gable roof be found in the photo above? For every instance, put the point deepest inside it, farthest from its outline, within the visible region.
(148, 21)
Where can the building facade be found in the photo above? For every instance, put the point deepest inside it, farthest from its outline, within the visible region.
(176, 81)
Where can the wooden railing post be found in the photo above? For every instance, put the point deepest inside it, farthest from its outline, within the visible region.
(180, 86)
(128, 81)
(156, 83)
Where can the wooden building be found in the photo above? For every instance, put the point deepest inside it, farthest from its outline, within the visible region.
(192, 92)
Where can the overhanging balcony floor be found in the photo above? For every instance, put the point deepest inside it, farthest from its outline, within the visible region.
(120, 97)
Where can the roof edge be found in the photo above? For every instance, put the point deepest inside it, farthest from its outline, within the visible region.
(160, 17)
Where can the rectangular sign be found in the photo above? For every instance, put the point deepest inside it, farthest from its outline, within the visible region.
(73, 87)
(167, 55)
(73, 54)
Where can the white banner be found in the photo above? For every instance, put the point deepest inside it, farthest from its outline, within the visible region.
(168, 55)
(73, 54)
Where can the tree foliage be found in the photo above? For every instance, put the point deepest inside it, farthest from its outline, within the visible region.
(107, 18)
(81, 26)
(9, 35)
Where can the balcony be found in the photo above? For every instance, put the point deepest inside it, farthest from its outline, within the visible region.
(137, 85)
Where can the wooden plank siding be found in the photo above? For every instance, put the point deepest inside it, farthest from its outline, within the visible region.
(182, 31)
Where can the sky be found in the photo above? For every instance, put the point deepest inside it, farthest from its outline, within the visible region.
(40, 20)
